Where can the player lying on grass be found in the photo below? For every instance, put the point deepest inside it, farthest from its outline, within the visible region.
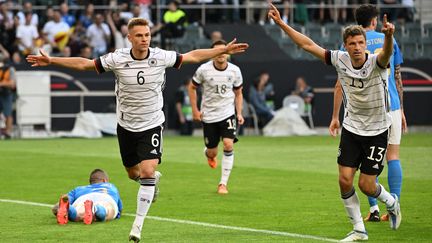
(140, 79)
(363, 142)
(98, 201)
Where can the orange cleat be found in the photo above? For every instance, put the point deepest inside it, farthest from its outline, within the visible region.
(62, 213)
(385, 217)
(88, 212)
(222, 189)
(212, 162)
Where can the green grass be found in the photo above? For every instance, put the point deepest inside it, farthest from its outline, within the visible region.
(277, 184)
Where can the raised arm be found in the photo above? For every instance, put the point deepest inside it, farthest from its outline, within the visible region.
(385, 54)
(301, 40)
(200, 55)
(77, 63)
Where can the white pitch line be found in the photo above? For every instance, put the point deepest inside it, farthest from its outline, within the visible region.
(270, 232)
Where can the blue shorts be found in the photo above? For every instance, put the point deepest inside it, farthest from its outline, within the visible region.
(6, 102)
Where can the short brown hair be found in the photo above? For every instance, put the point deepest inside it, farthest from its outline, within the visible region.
(97, 176)
(137, 22)
(219, 42)
(353, 30)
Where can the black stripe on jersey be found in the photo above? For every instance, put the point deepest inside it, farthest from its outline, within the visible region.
(348, 69)
(195, 83)
(98, 65)
(369, 122)
(238, 87)
(327, 57)
(364, 108)
(179, 61)
(358, 113)
(368, 130)
(379, 65)
(344, 97)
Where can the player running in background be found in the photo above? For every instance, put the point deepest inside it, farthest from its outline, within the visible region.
(98, 201)
(363, 141)
(140, 78)
(222, 84)
(367, 16)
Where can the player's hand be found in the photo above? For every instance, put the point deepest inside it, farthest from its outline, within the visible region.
(274, 14)
(334, 127)
(197, 116)
(39, 61)
(233, 47)
(240, 119)
(387, 28)
(404, 123)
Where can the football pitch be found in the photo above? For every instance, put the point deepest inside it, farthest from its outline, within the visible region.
(281, 190)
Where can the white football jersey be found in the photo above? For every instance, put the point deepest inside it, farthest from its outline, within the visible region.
(139, 85)
(217, 90)
(365, 94)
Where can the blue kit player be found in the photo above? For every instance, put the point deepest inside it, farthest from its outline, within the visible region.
(98, 201)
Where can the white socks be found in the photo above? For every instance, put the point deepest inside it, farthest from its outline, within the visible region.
(227, 165)
(352, 207)
(384, 196)
(144, 200)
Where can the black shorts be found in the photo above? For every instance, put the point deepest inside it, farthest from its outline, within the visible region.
(364, 152)
(138, 146)
(213, 132)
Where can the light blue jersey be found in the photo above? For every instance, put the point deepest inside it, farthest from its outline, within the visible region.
(106, 187)
(375, 42)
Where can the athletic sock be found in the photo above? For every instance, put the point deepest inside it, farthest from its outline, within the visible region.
(72, 213)
(144, 200)
(395, 177)
(373, 202)
(227, 164)
(100, 213)
(384, 196)
(352, 207)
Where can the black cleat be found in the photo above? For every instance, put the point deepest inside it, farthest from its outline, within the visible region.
(373, 217)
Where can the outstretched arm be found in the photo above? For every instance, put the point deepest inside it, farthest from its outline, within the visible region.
(77, 63)
(385, 54)
(301, 40)
(200, 55)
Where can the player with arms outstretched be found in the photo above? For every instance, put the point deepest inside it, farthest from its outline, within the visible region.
(222, 84)
(367, 16)
(364, 135)
(140, 78)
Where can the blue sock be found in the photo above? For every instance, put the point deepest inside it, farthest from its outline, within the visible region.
(395, 177)
(72, 213)
(373, 201)
(100, 213)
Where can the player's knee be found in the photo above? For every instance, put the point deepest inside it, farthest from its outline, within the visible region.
(367, 188)
(211, 153)
(228, 147)
(345, 183)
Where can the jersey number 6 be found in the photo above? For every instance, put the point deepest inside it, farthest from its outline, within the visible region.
(140, 78)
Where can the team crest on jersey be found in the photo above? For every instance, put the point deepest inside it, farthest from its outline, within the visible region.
(230, 79)
(152, 62)
(363, 72)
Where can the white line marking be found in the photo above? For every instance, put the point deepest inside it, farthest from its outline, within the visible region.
(270, 232)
